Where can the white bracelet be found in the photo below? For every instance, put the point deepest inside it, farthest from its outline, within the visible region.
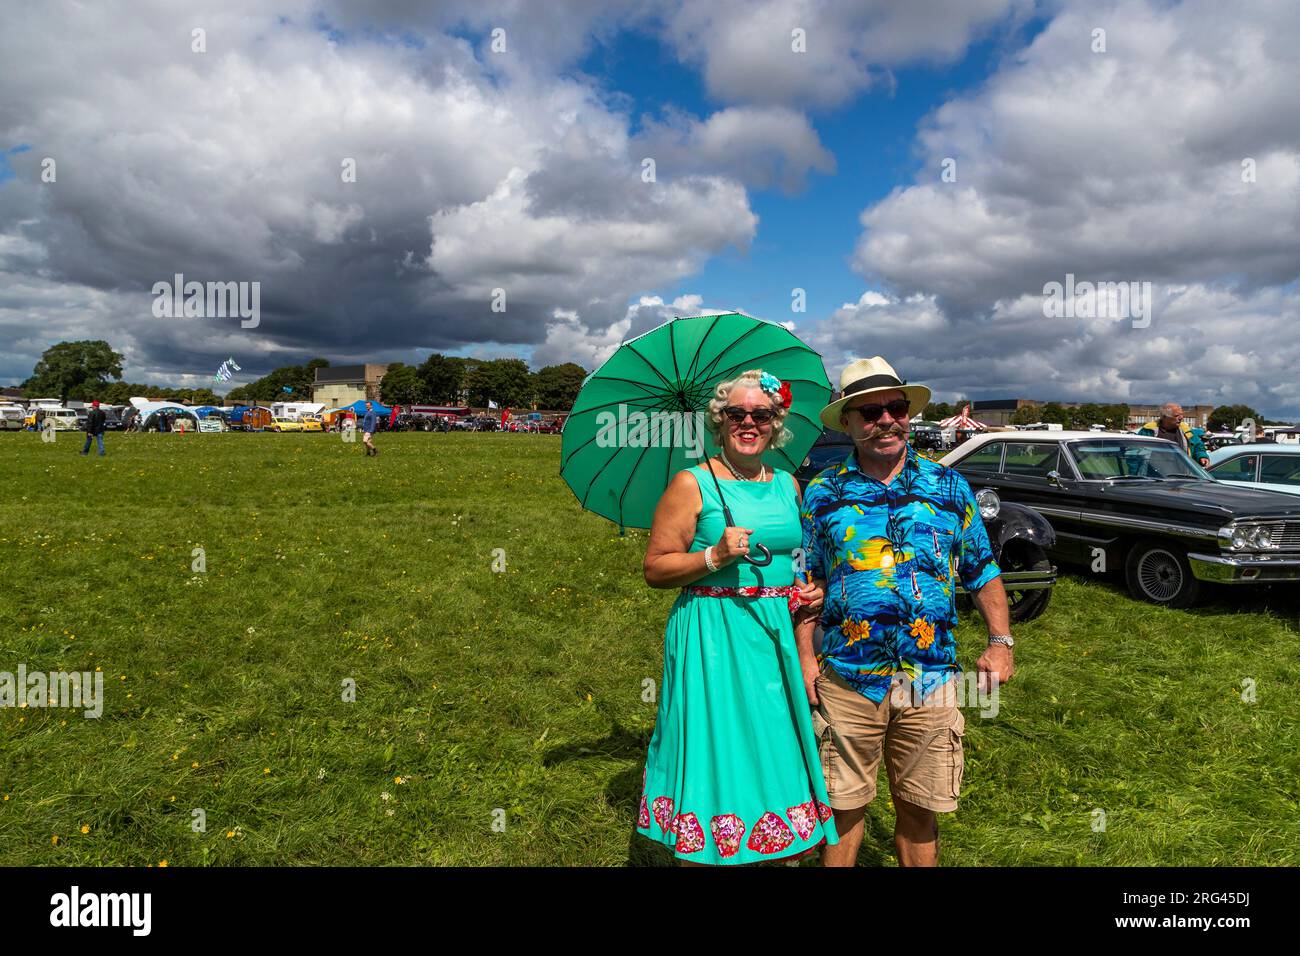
(708, 559)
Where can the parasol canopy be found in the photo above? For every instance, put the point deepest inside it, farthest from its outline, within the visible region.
(642, 416)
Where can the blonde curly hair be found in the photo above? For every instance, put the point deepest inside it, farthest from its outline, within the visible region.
(751, 379)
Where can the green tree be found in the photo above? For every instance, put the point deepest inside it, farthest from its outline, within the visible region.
(1082, 416)
(1025, 415)
(1054, 413)
(556, 386)
(1115, 416)
(74, 370)
(504, 381)
(195, 396)
(297, 379)
(117, 393)
(937, 412)
(443, 378)
(1230, 416)
(402, 385)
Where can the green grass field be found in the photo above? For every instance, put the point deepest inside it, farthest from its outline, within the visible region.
(517, 696)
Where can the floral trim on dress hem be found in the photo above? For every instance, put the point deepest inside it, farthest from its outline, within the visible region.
(770, 836)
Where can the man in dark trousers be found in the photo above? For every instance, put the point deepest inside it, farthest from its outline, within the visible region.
(368, 425)
(95, 428)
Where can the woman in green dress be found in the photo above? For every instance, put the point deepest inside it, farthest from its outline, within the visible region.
(733, 774)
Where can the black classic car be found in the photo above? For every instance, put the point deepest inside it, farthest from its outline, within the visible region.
(1020, 538)
(1122, 500)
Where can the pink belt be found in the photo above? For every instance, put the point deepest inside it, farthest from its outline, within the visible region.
(790, 592)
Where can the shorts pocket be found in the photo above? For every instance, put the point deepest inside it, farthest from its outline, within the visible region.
(956, 743)
(825, 746)
(821, 726)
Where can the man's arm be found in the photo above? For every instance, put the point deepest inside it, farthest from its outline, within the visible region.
(982, 579)
(804, 628)
(997, 663)
(815, 563)
(1197, 446)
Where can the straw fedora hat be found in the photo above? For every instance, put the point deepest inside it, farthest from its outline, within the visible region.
(869, 377)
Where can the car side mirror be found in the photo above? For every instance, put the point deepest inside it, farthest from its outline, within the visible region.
(1054, 479)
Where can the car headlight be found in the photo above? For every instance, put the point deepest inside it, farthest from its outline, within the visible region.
(1262, 538)
(989, 503)
(1249, 537)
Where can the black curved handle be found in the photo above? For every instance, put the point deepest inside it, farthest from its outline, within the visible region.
(731, 523)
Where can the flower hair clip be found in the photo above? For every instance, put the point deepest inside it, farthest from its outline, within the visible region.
(776, 387)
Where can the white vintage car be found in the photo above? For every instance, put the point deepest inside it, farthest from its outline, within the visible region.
(1273, 467)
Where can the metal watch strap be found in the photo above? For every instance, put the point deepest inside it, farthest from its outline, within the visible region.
(1004, 639)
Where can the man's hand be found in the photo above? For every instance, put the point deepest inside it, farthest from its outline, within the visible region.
(811, 596)
(1205, 463)
(998, 660)
(811, 669)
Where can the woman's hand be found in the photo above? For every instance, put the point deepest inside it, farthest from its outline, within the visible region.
(812, 596)
(732, 546)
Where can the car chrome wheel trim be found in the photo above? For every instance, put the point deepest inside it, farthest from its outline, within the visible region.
(1160, 575)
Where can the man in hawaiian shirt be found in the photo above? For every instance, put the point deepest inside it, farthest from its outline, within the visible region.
(887, 534)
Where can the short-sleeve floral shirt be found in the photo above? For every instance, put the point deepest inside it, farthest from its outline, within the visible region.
(889, 555)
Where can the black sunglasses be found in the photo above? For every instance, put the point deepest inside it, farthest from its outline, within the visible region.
(898, 408)
(735, 414)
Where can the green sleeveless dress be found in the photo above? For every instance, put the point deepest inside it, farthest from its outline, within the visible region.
(733, 773)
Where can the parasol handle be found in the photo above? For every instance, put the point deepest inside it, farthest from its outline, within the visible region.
(762, 548)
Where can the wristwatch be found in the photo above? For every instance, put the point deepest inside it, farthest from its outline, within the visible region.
(1004, 639)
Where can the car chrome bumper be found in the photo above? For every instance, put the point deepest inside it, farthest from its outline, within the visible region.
(1244, 569)
(1023, 580)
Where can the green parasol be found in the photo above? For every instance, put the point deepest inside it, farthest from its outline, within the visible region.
(642, 416)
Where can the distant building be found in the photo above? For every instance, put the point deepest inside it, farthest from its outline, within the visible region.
(11, 394)
(998, 411)
(1198, 416)
(338, 385)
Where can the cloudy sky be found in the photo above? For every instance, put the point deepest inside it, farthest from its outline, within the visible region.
(920, 171)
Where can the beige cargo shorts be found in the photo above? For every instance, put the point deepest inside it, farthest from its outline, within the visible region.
(921, 745)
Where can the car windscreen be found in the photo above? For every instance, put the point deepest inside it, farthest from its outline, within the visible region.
(1119, 459)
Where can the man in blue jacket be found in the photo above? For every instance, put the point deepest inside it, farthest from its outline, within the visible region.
(368, 425)
(1171, 427)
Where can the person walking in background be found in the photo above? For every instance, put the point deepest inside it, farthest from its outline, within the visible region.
(95, 423)
(368, 425)
(1171, 427)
